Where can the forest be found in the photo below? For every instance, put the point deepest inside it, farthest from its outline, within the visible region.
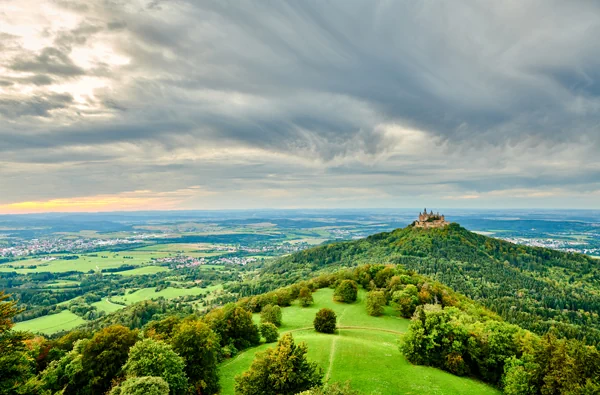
(178, 351)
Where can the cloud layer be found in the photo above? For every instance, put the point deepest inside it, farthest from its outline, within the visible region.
(220, 104)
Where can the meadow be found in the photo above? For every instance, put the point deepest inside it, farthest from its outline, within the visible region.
(167, 293)
(364, 351)
(49, 324)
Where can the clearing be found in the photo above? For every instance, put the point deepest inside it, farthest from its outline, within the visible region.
(364, 351)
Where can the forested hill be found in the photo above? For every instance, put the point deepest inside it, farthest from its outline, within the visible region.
(537, 288)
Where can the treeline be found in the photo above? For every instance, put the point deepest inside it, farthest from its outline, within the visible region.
(503, 354)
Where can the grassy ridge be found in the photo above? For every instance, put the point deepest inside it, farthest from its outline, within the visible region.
(364, 350)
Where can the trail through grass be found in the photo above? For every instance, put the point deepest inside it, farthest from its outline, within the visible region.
(364, 350)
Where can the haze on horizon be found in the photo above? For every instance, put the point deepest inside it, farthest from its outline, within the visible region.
(117, 105)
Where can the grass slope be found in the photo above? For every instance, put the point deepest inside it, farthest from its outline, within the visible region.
(49, 324)
(364, 351)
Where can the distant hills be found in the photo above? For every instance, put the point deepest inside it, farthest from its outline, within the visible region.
(539, 289)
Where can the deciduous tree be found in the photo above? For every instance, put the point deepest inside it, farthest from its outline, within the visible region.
(282, 370)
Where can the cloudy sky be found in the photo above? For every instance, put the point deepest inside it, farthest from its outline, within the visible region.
(177, 104)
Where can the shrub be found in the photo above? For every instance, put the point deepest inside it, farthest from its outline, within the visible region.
(375, 302)
(269, 332)
(305, 297)
(346, 292)
(271, 313)
(332, 389)
(325, 321)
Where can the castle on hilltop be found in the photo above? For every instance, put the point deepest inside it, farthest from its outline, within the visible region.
(430, 220)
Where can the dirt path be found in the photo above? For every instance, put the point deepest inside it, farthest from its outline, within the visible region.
(333, 342)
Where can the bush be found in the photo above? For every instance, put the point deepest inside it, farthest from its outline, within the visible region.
(375, 302)
(271, 313)
(325, 321)
(305, 297)
(332, 389)
(346, 292)
(269, 332)
(282, 370)
(146, 385)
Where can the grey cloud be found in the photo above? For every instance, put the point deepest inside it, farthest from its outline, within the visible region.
(50, 60)
(501, 85)
(38, 106)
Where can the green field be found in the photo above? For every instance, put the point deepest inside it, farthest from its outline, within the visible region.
(86, 262)
(50, 324)
(142, 270)
(364, 351)
(167, 293)
(107, 306)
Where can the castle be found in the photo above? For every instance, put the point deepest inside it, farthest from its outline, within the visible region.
(430, 220)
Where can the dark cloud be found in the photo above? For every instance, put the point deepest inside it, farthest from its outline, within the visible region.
(50, 60)
(403, 97)
(38, 107)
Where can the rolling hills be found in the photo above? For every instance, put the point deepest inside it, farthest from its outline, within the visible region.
(539, 289)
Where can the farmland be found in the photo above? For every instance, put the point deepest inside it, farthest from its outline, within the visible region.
(167, 293)
(50, 324)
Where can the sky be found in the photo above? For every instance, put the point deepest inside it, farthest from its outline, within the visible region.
(144, 105)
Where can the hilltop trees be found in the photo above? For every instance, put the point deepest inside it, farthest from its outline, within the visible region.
(15, 365)
(271, 313)
(156, 358)
(234, 326)
(305, 297)
(346, 291)
(501, 353)
(146, 385)
(376, 301)
(325, 321)
(406, 300)
(198, 345)
(104, 355)
(269, 332)
(283, 370)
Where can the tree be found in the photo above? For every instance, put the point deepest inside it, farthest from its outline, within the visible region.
(15, 365)
(146, 385)
(198, 345)
(325, 321)
(105, 354)
(346, 292)
(406, 300)
(305, 297)
(282, 370)
(269, 332)
(156, 358)
(234, 325)
(271, 313)
(375, 302)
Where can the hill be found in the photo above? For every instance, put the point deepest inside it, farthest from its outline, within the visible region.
(539, 289)
(364, 350)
